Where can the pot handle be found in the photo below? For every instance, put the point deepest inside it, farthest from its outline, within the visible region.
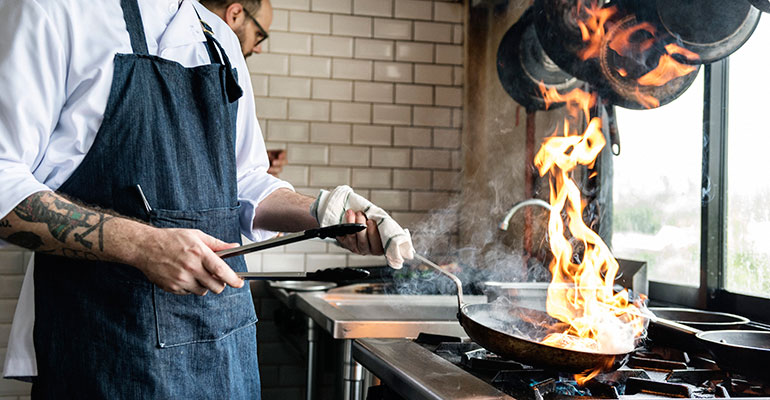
(450, 275)
(676, 326)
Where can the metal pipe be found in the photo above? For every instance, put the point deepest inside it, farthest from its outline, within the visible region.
(352, 372)
(517, 206)
(312, 337)
(451, 276)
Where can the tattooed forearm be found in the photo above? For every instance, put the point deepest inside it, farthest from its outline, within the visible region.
(62, 218)
(50, 223)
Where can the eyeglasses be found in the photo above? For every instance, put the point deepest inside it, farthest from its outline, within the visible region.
(261, 32)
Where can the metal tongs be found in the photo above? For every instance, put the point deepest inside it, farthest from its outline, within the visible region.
(330, 231)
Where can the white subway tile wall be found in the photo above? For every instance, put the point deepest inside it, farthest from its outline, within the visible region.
(366, 93)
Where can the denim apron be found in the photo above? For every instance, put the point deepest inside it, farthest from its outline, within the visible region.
(102, 330)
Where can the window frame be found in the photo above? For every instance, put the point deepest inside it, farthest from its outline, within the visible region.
(711, 294)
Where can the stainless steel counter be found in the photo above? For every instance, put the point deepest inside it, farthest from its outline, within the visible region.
(348, 316)
(415, 373)
(351, 316)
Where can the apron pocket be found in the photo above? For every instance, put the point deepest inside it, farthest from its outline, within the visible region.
(185, 319)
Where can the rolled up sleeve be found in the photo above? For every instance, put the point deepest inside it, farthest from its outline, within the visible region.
(32, 78)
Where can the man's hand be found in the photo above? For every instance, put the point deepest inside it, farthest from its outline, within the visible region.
(365, 242)
(182, 261)
(277, 160)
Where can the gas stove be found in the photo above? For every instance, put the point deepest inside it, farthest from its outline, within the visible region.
(441, 367)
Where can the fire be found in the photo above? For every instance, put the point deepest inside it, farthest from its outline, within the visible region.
(592, 28)
(581, 292)
(668, 68)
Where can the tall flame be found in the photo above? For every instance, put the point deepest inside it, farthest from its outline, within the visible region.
(581, 291)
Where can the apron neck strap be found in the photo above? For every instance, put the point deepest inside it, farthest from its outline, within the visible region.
(134, 26)
(218, 56)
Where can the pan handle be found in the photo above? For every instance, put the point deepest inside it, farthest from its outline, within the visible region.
(673, 325)
(451, 276)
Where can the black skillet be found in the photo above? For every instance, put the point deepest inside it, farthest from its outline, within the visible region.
(762, 5)
(713, 29)
(522, 65)
(743, 351)
(612, 74)
(475, 320)
(700, 319)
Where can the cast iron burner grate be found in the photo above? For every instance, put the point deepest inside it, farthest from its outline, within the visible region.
(652, 372)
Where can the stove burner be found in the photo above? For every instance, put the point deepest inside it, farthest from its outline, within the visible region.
(653, 371)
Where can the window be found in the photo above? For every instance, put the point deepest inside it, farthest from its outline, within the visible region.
(747, 256)
(657, 187)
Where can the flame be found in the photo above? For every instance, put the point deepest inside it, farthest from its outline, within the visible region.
(594, 313)
(593, 318)
(592, 28)
(668, 68)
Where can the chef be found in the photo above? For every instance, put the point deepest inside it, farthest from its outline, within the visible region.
(250, 20)
(130, 153)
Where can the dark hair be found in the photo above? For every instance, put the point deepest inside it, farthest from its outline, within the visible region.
(250, 5)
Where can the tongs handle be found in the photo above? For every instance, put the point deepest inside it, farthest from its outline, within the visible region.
(325, 232)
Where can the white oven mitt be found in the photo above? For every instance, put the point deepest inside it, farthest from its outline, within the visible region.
(329, 209)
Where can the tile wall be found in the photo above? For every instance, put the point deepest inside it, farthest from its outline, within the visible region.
(366, 93)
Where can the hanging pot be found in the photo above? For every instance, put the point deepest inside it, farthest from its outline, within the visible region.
(556, 25)
(629, 71)
(612, 72)
(522, 65)
(713, 29)
(762, 5)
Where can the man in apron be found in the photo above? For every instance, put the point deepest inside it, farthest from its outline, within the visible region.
(157, 162)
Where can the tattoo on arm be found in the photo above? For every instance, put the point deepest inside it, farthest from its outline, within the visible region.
(62, 218)
(28, 240)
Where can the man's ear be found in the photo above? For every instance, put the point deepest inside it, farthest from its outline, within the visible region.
(234, 15)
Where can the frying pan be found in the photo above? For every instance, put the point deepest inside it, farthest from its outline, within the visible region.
(561, 38)
(762, 5)
(713, 29)
(522, 65)
(474, 320)
(699, 319)
(743, 351)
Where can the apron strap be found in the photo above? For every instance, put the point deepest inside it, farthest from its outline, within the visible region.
(234, 91)
(218, 56)
(134, 26)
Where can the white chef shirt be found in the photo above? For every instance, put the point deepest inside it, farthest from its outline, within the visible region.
(56, 68)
